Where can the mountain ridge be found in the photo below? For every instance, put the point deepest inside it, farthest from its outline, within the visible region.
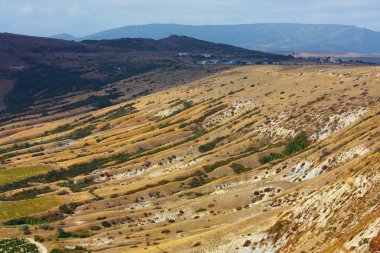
(262, 36)
(37, 68)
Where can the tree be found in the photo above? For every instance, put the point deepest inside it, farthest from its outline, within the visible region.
(25, 229)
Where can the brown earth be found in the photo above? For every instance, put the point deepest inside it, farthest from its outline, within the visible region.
(164, 182)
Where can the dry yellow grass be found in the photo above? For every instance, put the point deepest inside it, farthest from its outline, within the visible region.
(9, 175)
(158, 191)
(23, 208)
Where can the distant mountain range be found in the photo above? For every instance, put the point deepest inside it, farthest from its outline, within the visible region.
(265, 37)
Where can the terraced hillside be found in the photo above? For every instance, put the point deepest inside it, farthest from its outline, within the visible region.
(253, 159)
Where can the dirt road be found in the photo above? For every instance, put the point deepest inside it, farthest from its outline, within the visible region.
(41, 247)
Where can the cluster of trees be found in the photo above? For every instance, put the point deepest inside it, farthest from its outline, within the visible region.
(17, 245)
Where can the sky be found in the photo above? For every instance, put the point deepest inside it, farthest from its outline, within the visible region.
(84, 17)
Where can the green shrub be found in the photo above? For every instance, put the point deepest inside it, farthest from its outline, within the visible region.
(211, 112)
(16, 146)
(238, 168)
(318, 99)
(69, 208)
(60, 129)
(38, 154)
(148, 186)
(211, 145)
(24, 221)
(25, 229)
(77, 249)
(46, 227)
(81, 132)
(121, 111)
(38, 238)
(212, 167)
(61, 233)
(106, 224)
(197, 181)
(165, 231)
(26, 194)
(95, 228)
(297, 144)
(72, 186)
(271, 157)
(81, 234)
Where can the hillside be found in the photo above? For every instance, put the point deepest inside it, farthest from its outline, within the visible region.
(249, 159)
(36, 70)
(264, 37)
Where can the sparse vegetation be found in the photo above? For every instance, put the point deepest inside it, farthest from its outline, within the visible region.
(26, 194)
(121, 111)
(74, 187)
(69, 208)
(25, 229)
(297, 144)
(38, 238)
(271, 157)
(211, 145)
(317, 100)
(61, 233)
(238, 168)
(60, 129)
(25, 220)
(16, 146)
(210, 168)
(143, 180)
(77, 249)
(81, 132)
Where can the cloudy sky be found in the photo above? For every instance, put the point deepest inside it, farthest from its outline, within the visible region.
(48, 17)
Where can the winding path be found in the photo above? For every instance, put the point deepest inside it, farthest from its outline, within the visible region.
(41, 247)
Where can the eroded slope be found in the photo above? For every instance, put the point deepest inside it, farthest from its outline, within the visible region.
(255, 159)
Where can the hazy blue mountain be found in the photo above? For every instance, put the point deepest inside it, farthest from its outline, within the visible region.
(267, 37)
(64, 36)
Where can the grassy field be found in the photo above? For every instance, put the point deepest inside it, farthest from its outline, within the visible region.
(14, 174)
(17, 209)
